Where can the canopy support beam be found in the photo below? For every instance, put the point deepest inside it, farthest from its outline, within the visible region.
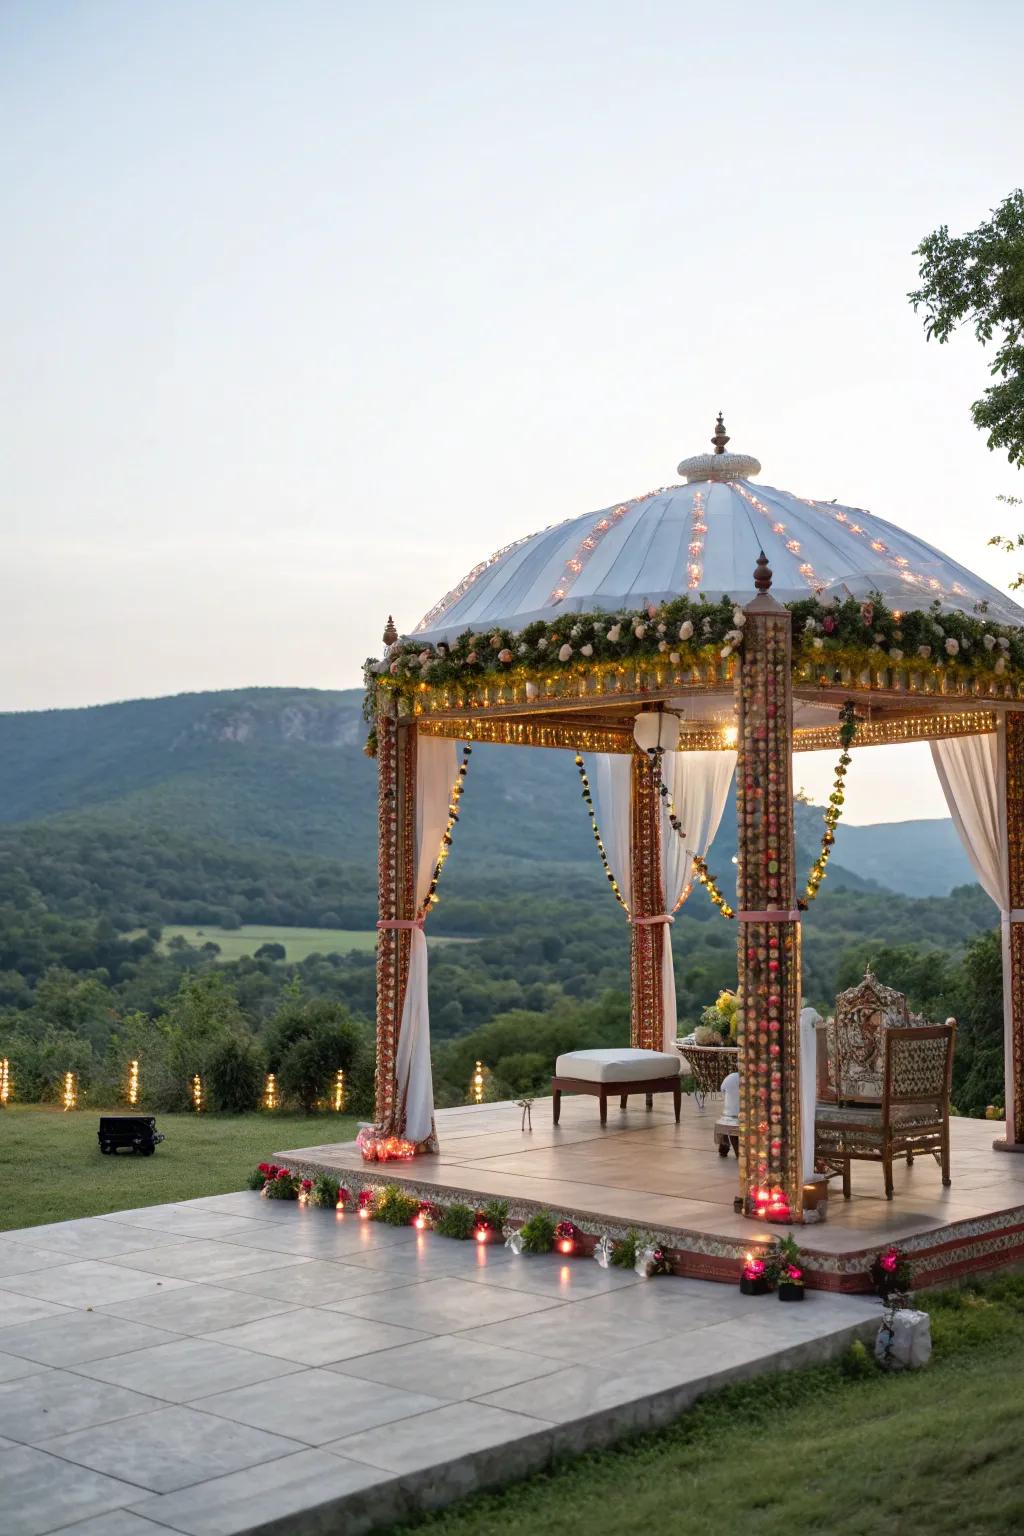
(1012, 778)
(396, 834)
(647, 938)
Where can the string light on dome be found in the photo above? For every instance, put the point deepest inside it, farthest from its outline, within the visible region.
(698, 531)
(807, 571)
(607, 521)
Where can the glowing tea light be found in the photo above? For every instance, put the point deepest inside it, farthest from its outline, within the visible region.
(420, 1221)
(565, 1245)
(481, 1234)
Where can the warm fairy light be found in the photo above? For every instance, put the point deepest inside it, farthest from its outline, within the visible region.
(338, 1091)
(698, 529)
(69, 1093)
(134, 1092)
(5, 1081)
(454, 797)
(730, 735)
(270, 1091)
(476, 1085)
(197, 1094)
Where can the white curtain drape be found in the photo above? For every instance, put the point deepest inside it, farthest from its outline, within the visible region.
(435, 774)
(698, 783)
(972, 772)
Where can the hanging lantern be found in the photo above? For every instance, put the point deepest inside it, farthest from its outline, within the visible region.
(656, 729)
(5, 1082)
(133, 1091)
(270, 1091)
(69, 1092)
(197, 1094)
(338, 1092)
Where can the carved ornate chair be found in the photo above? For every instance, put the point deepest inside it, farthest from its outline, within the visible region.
(913, 1116)
(851, 1047)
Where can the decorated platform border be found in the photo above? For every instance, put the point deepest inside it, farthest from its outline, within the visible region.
(940, 1256)
(693, 643)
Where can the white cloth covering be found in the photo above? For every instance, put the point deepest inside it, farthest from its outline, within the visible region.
(810, 1022)
(698, 783)
(435, 774)
(972, 772)
(617, 1064)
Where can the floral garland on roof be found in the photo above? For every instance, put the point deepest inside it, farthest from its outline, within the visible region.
(687, 632)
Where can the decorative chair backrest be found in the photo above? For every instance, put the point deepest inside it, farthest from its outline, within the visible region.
(919, 1064)
(851, 1067)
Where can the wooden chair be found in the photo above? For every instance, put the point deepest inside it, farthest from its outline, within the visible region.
(913, 1116)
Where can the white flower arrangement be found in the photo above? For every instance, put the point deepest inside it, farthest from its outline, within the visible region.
(565, 652)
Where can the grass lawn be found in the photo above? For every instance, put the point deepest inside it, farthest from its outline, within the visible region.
(934, 1453)
(51, 1167)
(237, 943)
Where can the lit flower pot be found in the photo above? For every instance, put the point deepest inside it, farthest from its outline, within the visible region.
(754, 1277)
(791, 1285)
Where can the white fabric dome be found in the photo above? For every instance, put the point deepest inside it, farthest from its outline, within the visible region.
(704, 537)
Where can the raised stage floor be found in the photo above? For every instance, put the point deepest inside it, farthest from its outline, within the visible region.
(644, 1171)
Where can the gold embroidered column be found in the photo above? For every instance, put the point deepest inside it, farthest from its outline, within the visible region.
(1012, 775)
(396, 831)
(647, 908)
(768, 937)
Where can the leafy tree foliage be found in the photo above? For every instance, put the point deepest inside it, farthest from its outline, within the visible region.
(979, 278)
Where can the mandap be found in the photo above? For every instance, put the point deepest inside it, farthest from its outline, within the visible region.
(703, 629)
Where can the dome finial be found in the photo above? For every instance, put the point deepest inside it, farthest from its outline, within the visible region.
(390, 632)
(762, 573)
(721, 436)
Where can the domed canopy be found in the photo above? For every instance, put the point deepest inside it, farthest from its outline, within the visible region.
(704, 537)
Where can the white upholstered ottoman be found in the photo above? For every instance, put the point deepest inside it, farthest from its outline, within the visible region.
(616, 1069)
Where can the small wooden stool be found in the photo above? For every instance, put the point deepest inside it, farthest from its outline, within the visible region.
(616, 1071)
(727, 1134)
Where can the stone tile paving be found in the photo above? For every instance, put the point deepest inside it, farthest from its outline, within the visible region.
(229, 1365)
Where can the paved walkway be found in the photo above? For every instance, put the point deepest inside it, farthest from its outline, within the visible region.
(233, 1365)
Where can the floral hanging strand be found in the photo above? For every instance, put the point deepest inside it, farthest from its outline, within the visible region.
(834, 809)
(458, 788)
(589, 801)
(700, 869)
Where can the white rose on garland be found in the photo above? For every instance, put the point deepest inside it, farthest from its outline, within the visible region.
(685, 629)
(615, 633)
(989, 642)
(564, 652)
(739, 618)
(675, 658)
(895, 653)
(924, 651)
(640, 630)
(952, 647)
(542, 643)
(586, 650)
(662, 645)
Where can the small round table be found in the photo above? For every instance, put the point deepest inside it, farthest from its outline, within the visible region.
(709, 1066)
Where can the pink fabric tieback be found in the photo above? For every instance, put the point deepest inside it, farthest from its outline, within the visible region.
(401, 922)
(662, 917)
(775, 915)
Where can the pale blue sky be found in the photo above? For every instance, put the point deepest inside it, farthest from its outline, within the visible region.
(308, 306)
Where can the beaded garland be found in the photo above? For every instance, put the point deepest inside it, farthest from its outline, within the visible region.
(588, 799)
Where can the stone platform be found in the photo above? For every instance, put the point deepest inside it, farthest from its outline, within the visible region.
(643, 1170)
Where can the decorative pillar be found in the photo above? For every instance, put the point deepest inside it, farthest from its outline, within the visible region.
(647, 908)
(1011, 774)
(768, 936)
(396, 831)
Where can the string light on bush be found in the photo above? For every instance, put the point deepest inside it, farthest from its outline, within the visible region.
(458, 789)
(270, 1091)
(69, 1091)
(196, 1091)
(581, 768)
(476, 1084)
(134, 1090)
(5, 1082)
(338, 1092)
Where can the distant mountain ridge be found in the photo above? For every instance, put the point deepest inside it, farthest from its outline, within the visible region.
(284, 768)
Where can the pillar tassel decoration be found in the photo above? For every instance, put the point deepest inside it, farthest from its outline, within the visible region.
(768, 928)
(647, 912)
